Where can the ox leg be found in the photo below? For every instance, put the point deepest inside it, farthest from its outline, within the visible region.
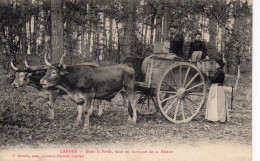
(126, 100)
(100, 108)
(132, 101)
(78, 121)
(129, 98)
(98, 104)
(87, 112)
(52, 99)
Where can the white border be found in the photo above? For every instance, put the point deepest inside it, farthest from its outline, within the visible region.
(256, 82)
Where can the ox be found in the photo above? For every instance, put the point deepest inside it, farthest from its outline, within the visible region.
(31, 76)
(85, 83)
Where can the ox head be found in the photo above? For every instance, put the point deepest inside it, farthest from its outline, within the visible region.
(54, 73)
(23, 76)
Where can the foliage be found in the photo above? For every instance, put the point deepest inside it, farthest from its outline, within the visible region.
(90, 32)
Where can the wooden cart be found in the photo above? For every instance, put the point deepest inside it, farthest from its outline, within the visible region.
(174, 86)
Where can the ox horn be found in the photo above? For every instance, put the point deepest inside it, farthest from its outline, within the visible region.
(62, 61)
(46, 61)
(26, 64)
(12, 65)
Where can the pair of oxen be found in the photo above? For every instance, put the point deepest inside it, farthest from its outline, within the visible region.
(83, 83)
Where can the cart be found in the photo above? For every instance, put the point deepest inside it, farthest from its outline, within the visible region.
(175, 87)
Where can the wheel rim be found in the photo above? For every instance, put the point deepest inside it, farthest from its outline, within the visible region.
(181, 92)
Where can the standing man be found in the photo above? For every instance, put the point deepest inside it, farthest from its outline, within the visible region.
(198, 49)
(176, 41)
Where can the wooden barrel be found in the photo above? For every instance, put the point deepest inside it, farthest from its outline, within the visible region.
(207, 67)
(154, 66)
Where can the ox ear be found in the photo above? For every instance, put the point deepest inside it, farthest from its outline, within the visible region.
(29, 74)
(64, 72)
(63, 66)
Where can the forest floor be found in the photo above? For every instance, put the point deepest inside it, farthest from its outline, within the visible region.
(24, 123)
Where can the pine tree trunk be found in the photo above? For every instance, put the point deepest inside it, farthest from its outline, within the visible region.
(118, 44)
(158, 29)
(165, 23)
(152, 26)
(130, 27)
(104, 38)
(82, 39)
(223, 43)
(98, 44)
(23, 29)
(110, 42)
(57, 30)
(35, 30)
(213, 35)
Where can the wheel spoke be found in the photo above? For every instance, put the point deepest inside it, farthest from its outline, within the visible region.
(176, 110)
(169, 85)
(182, 109)
(196, 94)
(195, 86)
(191, 101)
(180, 76)
(188, 107)
(143, 102)
(166, 111)
(168, 98)
(148, 103)
(191, 80)
(140, 97)
(170, 92)
(173, 79)
(185, 78)
(154, 101)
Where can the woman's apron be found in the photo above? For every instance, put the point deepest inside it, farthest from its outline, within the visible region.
(216, 107)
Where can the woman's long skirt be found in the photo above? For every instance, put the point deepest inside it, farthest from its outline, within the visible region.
(216, 107)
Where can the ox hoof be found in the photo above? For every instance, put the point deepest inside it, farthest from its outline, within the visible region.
(85, 130)
(51, 115)
(131, 121)
(50, 118)
(99, 115)
(75, 125)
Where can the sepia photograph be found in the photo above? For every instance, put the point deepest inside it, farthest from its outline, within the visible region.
(153, 80)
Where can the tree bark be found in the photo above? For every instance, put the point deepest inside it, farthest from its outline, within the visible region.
(165, 23)
(130, 27)
(212, 33)
(35, 30)
(152, 26)
(57, 30)
(110, 42)
(23, 29)
(82, 39)
(104, 38)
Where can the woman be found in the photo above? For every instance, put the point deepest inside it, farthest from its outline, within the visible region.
(216, 108)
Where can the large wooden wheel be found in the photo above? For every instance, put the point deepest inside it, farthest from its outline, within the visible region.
(181, 92)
